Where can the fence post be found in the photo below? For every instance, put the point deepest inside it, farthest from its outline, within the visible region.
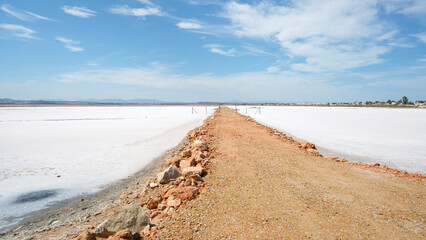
(193, 110)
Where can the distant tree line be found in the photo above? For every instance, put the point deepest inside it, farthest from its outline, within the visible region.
(403, 101)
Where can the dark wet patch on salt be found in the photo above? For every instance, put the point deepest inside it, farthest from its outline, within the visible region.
(35, 196)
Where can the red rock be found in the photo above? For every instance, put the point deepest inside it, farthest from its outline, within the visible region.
(159, 218)
(205, 165)
(153, 230)
(146, 231)
(307, 145)
(175, 161)
(122, 235)
(200, 145)
(86, 235)
(154, 214)
(188, 182)
(189, 171)
(313, 152)
(169, 211)
(124, 196)
(333, 158)
(183, 193)
(173, 202)
(195, 177)
(193, 133)
(186, 154)
(187, 163)
(153, 203)
(161, 206)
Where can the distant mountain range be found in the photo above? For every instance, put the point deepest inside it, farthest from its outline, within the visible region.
(93, 101)
(8, 101)
(123, 101)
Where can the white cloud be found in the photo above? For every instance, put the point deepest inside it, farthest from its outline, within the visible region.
(204, 2)
(189, 25)
(82, 12)
(253, 50)
(273, 69)
(138, 12)
(330, 35)
(147, 2)
(421, 36)
(417, 7)
(70, 44)
(19, 31)
(388, 35)
(159, 76)
(286, 86)
(406, 7)
(216, 48)
(22, 14)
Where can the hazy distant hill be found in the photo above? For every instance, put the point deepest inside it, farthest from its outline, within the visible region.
(123, 101)
(8, 101)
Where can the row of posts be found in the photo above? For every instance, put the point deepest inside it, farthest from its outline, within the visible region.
(258, 110)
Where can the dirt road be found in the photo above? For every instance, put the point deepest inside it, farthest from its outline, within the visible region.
(261, 187)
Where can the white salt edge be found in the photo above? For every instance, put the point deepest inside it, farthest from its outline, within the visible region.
(392, 136)
(88, 147)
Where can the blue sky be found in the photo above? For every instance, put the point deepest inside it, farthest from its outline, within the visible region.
(193, 50)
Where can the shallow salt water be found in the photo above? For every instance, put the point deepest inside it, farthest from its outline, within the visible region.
(49, 154)
(392, 136)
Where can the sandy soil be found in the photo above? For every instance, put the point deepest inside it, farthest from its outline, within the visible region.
(261, 187)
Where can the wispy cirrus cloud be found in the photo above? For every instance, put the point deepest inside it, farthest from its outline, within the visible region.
(137, 12)
(189, 25)
(70, 44)
(405, 7)
(219, 49)
(147, 2)
(421, 36)
(82, 12)
(253, 50)
(22, 14)
(279, 85)
(159, 76)
(204, 2)
(19, 31)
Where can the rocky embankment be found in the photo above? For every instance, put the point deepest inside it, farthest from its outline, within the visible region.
(311, 149)
(140, 216)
